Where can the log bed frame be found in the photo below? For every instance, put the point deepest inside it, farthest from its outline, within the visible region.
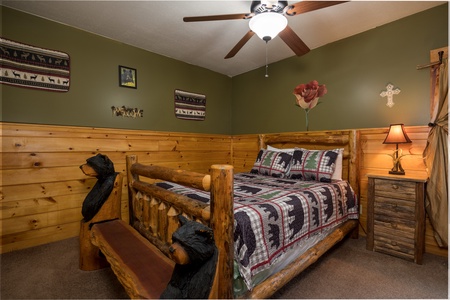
(154, 214)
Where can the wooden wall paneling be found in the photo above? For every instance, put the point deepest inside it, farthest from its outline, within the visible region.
(245, 149)
(41, 236)
(430, 242)
(28, 206)
(42, 187)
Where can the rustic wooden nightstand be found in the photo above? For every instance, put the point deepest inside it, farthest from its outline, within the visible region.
(396, 216)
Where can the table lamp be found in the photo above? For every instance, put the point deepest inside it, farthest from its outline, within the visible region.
(397, 135)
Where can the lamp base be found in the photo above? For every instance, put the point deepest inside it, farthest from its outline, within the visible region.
(397, 168)
(397, 172)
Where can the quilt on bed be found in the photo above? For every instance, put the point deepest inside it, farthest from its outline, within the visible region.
(272, 215)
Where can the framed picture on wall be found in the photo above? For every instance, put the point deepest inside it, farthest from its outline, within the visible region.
(127, 77)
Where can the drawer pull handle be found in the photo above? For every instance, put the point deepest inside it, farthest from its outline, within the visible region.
(395, 187)
(393, 243)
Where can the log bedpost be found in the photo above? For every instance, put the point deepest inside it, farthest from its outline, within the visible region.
(130, 160)
(355, 151)
(222, 223)
(353, 176)
(262, 141)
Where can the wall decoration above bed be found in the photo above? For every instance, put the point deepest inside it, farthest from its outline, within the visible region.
(308, 96)
(28, 66)
(190, 106)
(389, 93)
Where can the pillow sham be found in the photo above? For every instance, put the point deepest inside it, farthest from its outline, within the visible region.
(314, 165)
(272, 163)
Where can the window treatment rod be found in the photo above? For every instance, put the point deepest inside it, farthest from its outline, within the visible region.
(441, 54)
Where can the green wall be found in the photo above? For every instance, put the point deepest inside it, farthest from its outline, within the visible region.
(94, 83)
(355, 70)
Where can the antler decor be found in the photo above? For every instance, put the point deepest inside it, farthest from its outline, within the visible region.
(396, 157)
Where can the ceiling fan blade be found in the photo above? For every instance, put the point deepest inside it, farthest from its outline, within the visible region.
(216, 18)
(306, 6)
(240, 44)
(293, 41)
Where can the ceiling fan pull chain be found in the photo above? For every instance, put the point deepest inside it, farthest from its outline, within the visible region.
(267, 65)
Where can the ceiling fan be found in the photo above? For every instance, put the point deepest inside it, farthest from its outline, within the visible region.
(270, 15)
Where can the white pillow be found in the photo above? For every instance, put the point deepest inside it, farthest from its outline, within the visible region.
(337, 174)
(287, 150)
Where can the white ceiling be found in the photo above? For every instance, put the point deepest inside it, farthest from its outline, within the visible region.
(158, 26)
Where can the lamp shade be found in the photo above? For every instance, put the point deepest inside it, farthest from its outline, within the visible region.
(267, 25)
(396, 135)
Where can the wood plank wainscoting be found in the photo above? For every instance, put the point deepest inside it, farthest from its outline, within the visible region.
(42, 187)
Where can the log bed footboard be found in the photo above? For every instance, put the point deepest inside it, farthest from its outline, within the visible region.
(106, 240)
(139, 254)
(154, 211)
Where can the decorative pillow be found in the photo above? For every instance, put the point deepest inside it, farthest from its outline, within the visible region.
(337, 174)
(317, 165)
(272, 163)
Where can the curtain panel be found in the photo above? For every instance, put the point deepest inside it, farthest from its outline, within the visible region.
(436, 157)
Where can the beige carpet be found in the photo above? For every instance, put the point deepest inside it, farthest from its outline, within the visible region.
(348, 271)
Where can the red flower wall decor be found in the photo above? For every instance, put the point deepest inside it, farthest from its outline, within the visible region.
(307, 96)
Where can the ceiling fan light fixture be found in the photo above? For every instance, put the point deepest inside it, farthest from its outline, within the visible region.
(268, 25)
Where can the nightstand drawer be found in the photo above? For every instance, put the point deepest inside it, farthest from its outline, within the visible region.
(395, 189)
(395, 248)
(396, 224)
(394, 230)
(395, 208)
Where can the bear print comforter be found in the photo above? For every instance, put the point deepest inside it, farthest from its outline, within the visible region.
(273, 215)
